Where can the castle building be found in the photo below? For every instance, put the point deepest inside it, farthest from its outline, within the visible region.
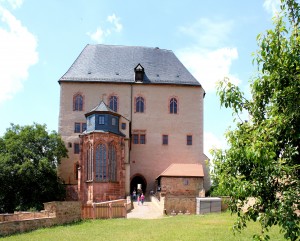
(126, 115)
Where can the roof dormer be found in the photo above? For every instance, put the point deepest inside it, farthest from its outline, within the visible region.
(139, 73)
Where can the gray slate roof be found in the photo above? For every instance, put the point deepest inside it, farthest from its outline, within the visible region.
(102, 107)
(113, 63)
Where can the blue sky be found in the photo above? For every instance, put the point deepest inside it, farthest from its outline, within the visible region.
(39, 40)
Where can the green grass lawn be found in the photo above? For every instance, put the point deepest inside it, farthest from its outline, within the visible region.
(193, 227)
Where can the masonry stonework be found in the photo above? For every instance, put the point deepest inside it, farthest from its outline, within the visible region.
(55, 213)
(103, 71)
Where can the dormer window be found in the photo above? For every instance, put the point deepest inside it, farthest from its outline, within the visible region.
(139, 73)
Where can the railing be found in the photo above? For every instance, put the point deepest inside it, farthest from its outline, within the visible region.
(103, 210)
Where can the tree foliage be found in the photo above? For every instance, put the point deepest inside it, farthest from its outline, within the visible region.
(29, 156)
(263, 158)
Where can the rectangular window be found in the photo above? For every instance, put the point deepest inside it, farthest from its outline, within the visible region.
(185, 182)
(142, 139)
(165, 139)
(90, 121)
(101, 120)
(83, 127)
(70, 144)
(189, 140)
(113, 121)
(77, 127)
(76, 148)
(123, 126)
(135, 139)
(139, 137)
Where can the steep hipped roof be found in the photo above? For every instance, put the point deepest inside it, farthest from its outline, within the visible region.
(112, 63)
(183, 170)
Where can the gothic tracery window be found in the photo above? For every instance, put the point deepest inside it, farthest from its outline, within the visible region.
(113, 103)
(112, 163)
(77, 102)
(139, 104)
(101, 163)
(173, 106)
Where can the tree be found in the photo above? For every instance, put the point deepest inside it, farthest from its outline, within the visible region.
(262, 160)
(29, 156)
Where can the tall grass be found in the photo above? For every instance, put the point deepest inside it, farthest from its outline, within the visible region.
(193, 227)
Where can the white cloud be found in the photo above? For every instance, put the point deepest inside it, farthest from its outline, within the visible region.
(17, 54)
(208, 33)
(209, 66)
(13, 3)
(116, 22)
(209, 59)
(272, 6)
(101, 33)
(97, 36)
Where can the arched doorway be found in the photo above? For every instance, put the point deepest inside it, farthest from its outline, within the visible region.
(138, 179)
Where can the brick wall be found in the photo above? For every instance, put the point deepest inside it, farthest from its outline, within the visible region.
(54, 213)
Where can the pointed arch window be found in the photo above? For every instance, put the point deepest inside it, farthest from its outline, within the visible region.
(112, 163)
(113, 103)
(139, 104)
(89, 164)
(173, 106)
(101, 163)
(77, 102)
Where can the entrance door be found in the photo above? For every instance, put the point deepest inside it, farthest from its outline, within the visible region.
(138, 179)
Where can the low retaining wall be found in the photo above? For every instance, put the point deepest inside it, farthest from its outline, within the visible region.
(55, 213)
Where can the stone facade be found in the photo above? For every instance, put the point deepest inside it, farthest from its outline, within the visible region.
(142, 162)
(185, 186)
(98, 191)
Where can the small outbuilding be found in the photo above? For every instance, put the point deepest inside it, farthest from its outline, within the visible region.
(180, 185)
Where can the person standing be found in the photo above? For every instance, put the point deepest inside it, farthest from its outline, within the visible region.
(134, 195)
(142, 198)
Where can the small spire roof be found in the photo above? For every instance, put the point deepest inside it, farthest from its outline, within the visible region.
(102, 107)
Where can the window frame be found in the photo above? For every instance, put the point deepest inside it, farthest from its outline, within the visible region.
(83, 126)
(113, 121)
(173, 105)
(76, 148)
(77, 127)
(113, 101)
(139, 137)
(142, 139)
(189, 140)
(78, 102)
(135, 138)
(140, 104)
(165, 140)
(101, 162)
(101, 120)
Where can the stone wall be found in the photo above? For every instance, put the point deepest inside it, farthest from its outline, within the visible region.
(180, 204)
(190, 186)
(54, 213)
